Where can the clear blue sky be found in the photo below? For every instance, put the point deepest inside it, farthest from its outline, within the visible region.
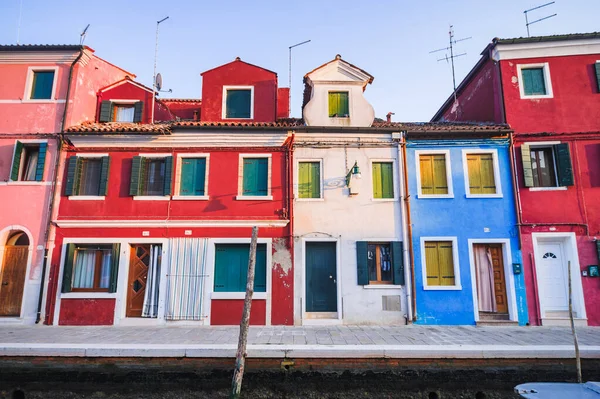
(389, 39)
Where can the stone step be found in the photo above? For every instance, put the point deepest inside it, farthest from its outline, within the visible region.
(485, 316)
(497, 323)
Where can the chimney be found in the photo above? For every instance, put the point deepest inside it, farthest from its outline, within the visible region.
(388, 117)
(196, 113)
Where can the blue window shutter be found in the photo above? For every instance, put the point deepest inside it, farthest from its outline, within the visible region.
(398, 262)
(250, 172)
(114, 267)
(39, 170)
(238, 103)
(106, 111)
(188, 176)
(41, 87)
(260, 271)
(68, 268)
(362, 267)
(168, 174)
(16, 166)
(200, 178)
(533, 81)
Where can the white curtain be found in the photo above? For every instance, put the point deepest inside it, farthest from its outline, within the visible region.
(124, 114)
(185, 278)
(105, 272)
(150, 308)
(486, 294)
(83, 270)
(31, 166)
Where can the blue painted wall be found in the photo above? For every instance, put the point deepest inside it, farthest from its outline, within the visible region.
(463, 218)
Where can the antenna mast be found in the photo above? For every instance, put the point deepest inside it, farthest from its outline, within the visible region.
(452, 55)
(527, 23)
(19, 23)
(82, 38)
(154, 75)
(290, 75)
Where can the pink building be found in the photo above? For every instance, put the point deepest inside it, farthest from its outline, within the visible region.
(37, 91)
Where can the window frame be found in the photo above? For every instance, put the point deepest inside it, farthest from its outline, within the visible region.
(297, 184)
(240, 195)
(547, 81)
(153, 197)
(349, 105)
(29, 85)
(550, 145)
(97, 271)
(394, 179)
(383, 282)
(12, 160)
(76, 197)
(224, 102)
(127, 104)
(179, 164)
(455, 259)
(446, 154)
(495, 162)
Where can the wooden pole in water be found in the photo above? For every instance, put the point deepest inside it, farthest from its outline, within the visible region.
(577, 358)
(240, 359)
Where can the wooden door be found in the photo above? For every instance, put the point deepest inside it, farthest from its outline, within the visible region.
(12, 277)
(499, 279)
(139, 261)
(321, 278)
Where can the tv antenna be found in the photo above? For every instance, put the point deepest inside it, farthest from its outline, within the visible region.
(154, 75)
(290, 75)
(527, 23)
(19, 23)
(159, 84)
(82, 36)
(450, 58)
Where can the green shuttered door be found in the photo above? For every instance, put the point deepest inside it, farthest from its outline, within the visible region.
(193, 175)
(255, 180)
(231, 268)
(383, 180)
(309, 180)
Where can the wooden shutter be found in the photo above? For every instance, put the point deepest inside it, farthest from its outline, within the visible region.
(433, 174)
(597, 69)
(136, 169)
(446, 262)
(432, 267)
(16, 165)
(398, 262)
(255, 178)
(221, 268)
(333, 104)
(309, 180)
(168, 174)
(41, 87)
(72, 180)
(362, 267)
(238, 103)
(187, 176)
(533, 81)
(106, 111)
(260, 276)
(343, 106)
(564, 170)
(200, 180)
(387, 180)
(527, 168)
(377, 189)
(39, 170)
(138, 110)
(68, 268)
(104, 173)
(598, 249)
(114, 267)
(481, 173)
(426, 174)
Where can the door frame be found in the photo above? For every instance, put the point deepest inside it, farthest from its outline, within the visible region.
(509, 280)
(338, 271)
(4, 234)
(571, 253)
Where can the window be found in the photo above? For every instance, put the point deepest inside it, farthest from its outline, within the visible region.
(433, 174)
(123, 113)
(42, 84)
(28, 161)
(91, 268)
(231, 267)
(338, 104)
(534, 81)
(597, 70)
(383, 180)
(193, 177)
(238, 103)
(439, 263)
(547, 165)
(151, 176)
(380, 263)
(112, 111)
(255, 177)
(309, 179)
(481, 173)
(87, 176)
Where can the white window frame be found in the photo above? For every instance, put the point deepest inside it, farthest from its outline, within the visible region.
(446, 154)
(75, 197)
(497, 181)
(224, 103)
(29, 84)
(240, 195)
(547, 144)
(457, 284)
(116, 103)
(296, 183)
(547, 81)
(153, 197)
(12, 160)
(395, 179)
(177, 195)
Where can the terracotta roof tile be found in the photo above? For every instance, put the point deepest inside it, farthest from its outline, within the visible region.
(443, 126)
(119, 127)
(181, 100)
(549, 38)
(280, 123)
(38, 47)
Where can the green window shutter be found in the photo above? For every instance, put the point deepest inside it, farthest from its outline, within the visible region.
(315, 179)
(343, 107)
(338, 104)
(564, 169)
(597, 69)
(200, 179)
(168, 174)
(598, 248)
(383, 180)
(362, 267)
(260, 272)
(68, 268)
(39, 170)
(309, 180)
(377, 189)
(104, 173)
(114, 267)
(398, 262)
(138, 110)
(188, 176)
(16, 165)
(136, 169)
(255, 176)
(333, 104)
(72, 181)
(533, 81)
(527, 168)
(41, 87)
(106, 111)
(238, 103)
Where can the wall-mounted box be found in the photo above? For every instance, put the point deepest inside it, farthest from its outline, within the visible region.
(517, 268)
(592, 271)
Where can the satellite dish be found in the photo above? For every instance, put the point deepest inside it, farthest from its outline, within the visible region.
(158, 82)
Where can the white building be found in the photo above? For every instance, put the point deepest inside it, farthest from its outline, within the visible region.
(350, 262)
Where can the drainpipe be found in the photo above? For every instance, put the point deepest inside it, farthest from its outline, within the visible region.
(54, 197)
(289, 155)
(515, 181)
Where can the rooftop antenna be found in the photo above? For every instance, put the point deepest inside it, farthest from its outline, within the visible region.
(527, 23)
(452, 56)
(19, 23)
(154, 75)
(82, 39)
(290, 75)
(159, 84)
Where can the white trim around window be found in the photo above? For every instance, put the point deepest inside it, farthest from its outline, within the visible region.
(240, 195)
(497, 181)
(446, 154)
(178, 170)
(297, 177)
(395, 179)
(547, 81)
(224, 103)
(29, 83)
(457, 285)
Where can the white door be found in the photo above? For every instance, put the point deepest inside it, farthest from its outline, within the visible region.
(552, 272)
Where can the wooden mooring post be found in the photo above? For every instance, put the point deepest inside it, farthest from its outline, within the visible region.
(577, 356)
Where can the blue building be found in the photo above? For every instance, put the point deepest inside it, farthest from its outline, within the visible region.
(464, 227)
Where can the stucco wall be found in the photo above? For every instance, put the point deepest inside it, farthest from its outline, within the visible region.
(129, 91)
(316, 111)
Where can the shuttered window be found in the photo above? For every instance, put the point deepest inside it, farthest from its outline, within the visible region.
(255, 177)
(238, 104)
(117, 112)
(597, 70)
(379, 263)
(193, 176)
(151, 176)
(338, 104)
(533, 81)
(309, 180)
(383, 180)
(28, 161)
(547, 166)
(91, 268)
(41, 85)
(87, 176)
(439, 263)
(434, 180)
(231, 268)
(481, 174)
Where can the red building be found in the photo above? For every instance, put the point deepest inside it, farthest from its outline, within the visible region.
(548, 90)
(154, 221)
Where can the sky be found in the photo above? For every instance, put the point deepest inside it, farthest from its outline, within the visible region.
(391, 40)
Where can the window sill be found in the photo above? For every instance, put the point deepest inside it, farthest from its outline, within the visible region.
(560, 188)
(434, 196)
(484, 195)
(87, 197)
(27, 183)
(536, 96)
(443, 288)
(151, 197)
(191, 197)
(42, 101)
(384, 199)
(254, 197)
(88, 295)
(381, 286)
(310, 199)
(237, 295)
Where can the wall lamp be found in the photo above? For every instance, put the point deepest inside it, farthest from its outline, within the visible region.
(354, 171)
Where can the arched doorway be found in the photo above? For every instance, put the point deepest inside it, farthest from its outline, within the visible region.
(12, 274)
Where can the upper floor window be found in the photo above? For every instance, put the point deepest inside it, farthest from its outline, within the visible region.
(597, 69)
(151, 176)
(255, 176)
(87, 176)
(309, 179)
(535, 81)
(42, 84)
(547, 165)
(482, 178)
(238, 102)
(434, 177)
(338, 104)
(383, 180)
(193, 176)
(28, 161)
(115, 111)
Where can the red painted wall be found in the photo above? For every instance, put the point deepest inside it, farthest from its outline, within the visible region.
(130, 91)
(283, 102)
(183, 109)
(227, 312)
(87, 312)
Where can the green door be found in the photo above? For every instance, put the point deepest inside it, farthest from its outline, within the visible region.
(321, 278)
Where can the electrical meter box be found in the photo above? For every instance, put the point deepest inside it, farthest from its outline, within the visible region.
(517, 268)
